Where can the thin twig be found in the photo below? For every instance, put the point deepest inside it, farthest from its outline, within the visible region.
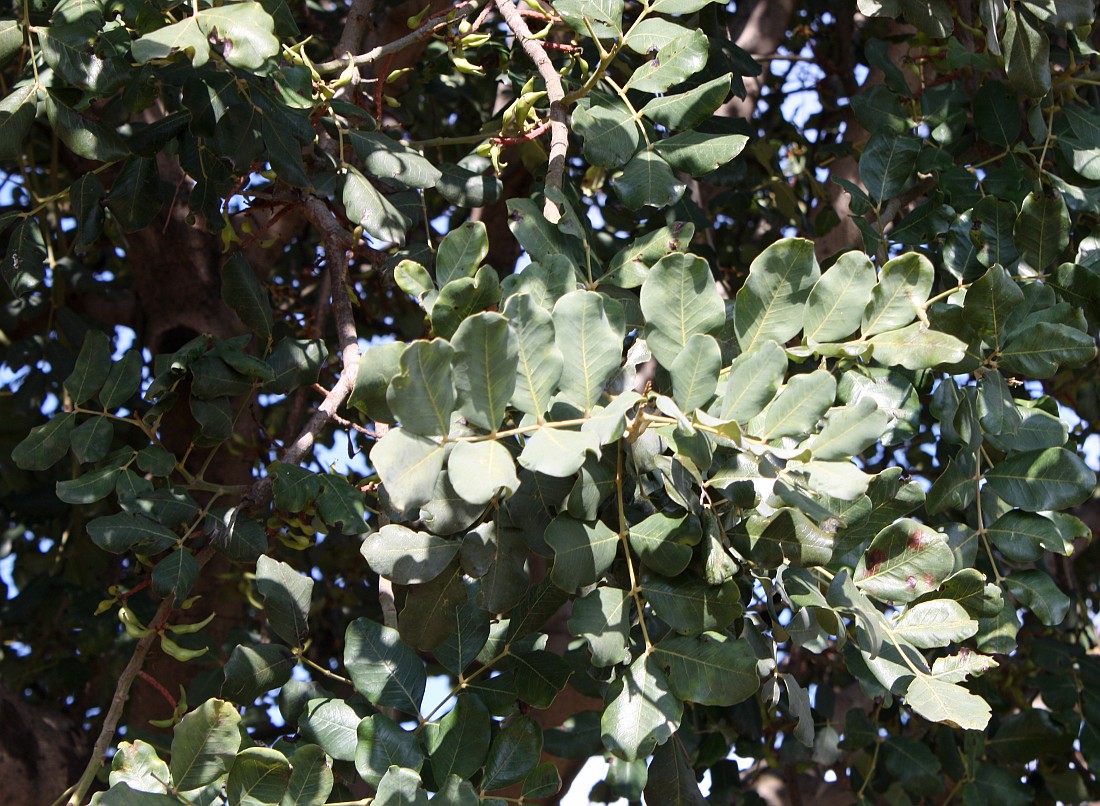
(122, 694)
(559, 125)
(460, 10)
(337, 242)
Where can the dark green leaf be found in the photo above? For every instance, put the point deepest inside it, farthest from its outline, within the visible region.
(709, 669)
(582, 551)
(664, 543)
(647, 181)
(935, 623)
(311, 779)
(585, 328)
(123, 380)
(17, 113)
(691, 607)
(466, 188)
(377, 367)
(903, 286)
(542, 782)
(997, 113)
(204, 744)
(383, 744)
(1053, 478)
(244, 32)
(602, 617)
(1027, 55)
(287, 595)
(295, 488)
(184, 36)
(296, 362)
(609, 132)
(95, 485)
(259, 775)
(461, 252)
(513, 754)
(246, 295)
(699, 154)
(1035, 589)
(383, 669)
(92, 366)
(835, 306)
(342, 503)
(400, 787)
(989, 302)
(332, 724)
(371, 210)
(11, 40)
(799, 406)
(386, 159)
(252, 671)
(175, 575)
(1038, 350)
(641, 712)
(687, 109)
(917, 347)
(122, 532)
(887, 164)
(848, 431)
(407, 557)
(458, 743)
(481, 470)
(671, 780)
(92, 439)
(135, 197)
(605, 16)
(681, 58)
(695, 372)
(753, 380)
(1042, 230)
(539, 361)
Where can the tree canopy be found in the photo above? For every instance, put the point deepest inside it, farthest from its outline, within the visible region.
(711, 387)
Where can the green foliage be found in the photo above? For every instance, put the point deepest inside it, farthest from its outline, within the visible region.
(716, 459)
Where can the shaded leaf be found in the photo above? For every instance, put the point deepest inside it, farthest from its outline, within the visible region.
(407, 557)
(383, 669)
(204, 744)
(641, 711)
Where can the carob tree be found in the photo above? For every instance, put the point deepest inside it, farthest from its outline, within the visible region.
(716, 383)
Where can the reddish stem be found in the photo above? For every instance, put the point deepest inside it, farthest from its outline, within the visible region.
(141, 585)
(152, 681)
(522, 138)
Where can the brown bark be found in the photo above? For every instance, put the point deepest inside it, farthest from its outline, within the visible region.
(846, 235)
(763, 32)
(39, 749)
(176, 276)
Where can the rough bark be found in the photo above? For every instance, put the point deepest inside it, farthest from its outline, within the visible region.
(39, 749)
(763, 31)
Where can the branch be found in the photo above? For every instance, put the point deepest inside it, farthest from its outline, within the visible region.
(559, 127)
(354, 27)
(122, 694)
(337, 243)
(460, 10)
